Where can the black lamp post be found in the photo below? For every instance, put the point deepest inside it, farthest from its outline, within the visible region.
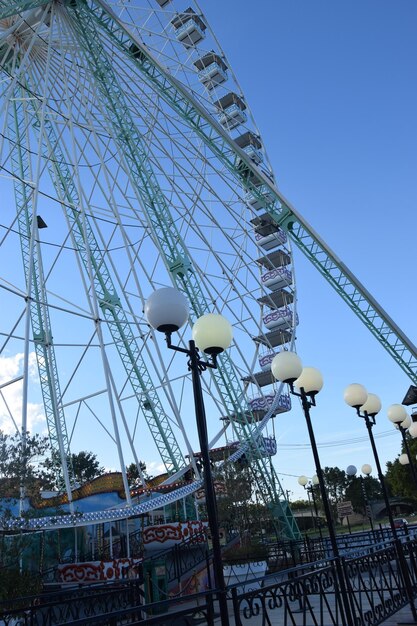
(367, 406)
(167, 311)
(367, 470)
(309, 485)
(287, 367)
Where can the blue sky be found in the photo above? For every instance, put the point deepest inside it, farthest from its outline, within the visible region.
(332, 86)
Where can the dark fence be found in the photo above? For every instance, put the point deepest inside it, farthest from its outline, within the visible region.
(307, 595)
(65, 607)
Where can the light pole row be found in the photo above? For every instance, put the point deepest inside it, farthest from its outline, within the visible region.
(287, 367)
(367, 406)
(367, 470)
(309, 485)
(402, 421)
(167, 311)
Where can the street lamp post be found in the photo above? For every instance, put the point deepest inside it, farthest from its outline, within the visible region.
(367, 406)
(309, 485)
(367, 470)
(402, 421)
(351, 472)
(167, 311)
(287, 367)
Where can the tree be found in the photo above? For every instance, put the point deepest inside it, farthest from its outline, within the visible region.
(335, 480)
(85, 466)
(21, 465)
(300, 505)
(234, 506)
(133, 477)
(355, 494)
(21, 474)
(398, 477)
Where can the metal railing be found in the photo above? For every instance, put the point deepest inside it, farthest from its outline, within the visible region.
(305, 595)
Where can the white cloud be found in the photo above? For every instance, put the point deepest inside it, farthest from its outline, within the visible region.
(11, 396)
(155, 468)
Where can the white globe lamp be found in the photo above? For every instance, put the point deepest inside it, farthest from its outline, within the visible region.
(372, 406)
(167, 310)
(396, 413)
(406, 423)
(303, 480)
(310, 380)
(355, 395)
(286, 366)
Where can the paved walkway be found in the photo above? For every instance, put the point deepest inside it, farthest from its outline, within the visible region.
(403, 616)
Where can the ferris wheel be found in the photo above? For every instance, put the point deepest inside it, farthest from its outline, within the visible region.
(130, 161)
(110, 193)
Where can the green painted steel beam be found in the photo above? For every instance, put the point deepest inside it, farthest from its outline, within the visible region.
(350, 289)
(41, 325)
(14, 7)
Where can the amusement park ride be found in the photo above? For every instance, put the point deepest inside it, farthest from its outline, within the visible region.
(130, 161)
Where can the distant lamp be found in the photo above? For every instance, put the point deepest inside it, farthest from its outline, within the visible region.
(315, 480)
(303, 480)
(403, 459)
(351, 470)
(406, 423)
(396, 413)
(366, 469)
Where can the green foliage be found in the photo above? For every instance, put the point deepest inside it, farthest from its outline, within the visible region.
(85, 466)
(133, 476)
(17, 584)
(234, 506)
(341, 487)
(252, 551)
(21, 465)
(300, 505)
(336, 482)
(399, 477)
(354, 491)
